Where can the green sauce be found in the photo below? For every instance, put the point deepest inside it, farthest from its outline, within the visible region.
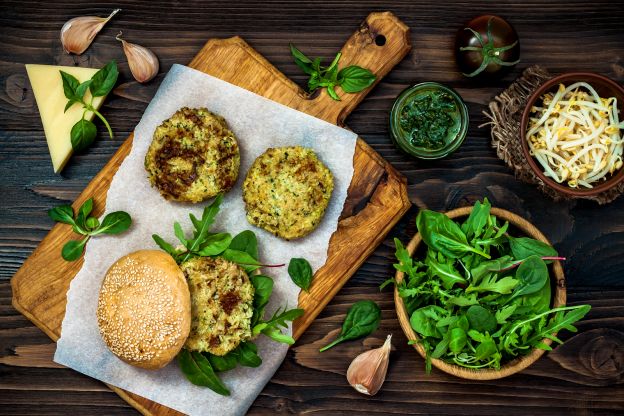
(430, 119)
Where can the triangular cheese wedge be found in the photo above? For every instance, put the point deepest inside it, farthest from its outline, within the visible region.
(47, 85)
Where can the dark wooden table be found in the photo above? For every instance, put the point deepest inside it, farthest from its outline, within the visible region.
(584, 376)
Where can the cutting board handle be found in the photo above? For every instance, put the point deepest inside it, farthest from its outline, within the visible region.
(380, 43)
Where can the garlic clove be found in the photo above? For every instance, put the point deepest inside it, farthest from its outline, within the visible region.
(367, 371)
(142, 61)
(78, 33)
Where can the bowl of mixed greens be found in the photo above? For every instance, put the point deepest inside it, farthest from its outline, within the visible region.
(480, 292)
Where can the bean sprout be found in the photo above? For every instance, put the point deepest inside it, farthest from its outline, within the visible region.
(576, 136)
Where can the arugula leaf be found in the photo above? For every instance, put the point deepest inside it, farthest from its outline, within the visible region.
(477, 219)
(165, 246)
(214, 244)
(271, 328)
(503, 314)
(300, 272)
(491, 284)
(362, 319)
(247, 354)
(491, 266)
(446, 272)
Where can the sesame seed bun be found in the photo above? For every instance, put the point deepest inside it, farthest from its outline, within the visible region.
(144, 309)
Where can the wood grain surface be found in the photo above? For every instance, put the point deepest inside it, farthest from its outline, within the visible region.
(584, 376)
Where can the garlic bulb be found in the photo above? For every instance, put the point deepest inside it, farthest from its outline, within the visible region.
(143, 63)
(368, 370)
(78, 33)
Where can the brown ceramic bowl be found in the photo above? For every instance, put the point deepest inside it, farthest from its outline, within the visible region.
(519, 226)
(605, 88)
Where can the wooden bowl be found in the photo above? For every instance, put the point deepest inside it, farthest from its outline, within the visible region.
(557, 282)
(605, 88)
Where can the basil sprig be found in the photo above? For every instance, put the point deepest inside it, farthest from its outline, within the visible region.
(362, 319)
(351, 79)
(84, 131)
(84, 224)
(202, 368)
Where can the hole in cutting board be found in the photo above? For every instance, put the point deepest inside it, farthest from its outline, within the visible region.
(380, 40)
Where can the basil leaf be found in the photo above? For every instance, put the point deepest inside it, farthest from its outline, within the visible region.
(300, 272)
(355, 79)
(86, 208)
(62, 213)
(82, 89)
(104, 80)
(82, 135)
(69, 104)
(481, 319)
(197, 369)
(332, 93)
(532, 275)
(215, 244)
(70, 85)
(525, 247)
(246, 241)
(92, 223)
(72, 250)
(248, 354)
(302, 61)
(362, 319)
(114, 223)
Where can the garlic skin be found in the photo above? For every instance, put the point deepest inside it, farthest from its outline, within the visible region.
(367, 372)
(78, 33)
(143, 62)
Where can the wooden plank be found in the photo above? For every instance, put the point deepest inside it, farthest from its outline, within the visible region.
(39, 287)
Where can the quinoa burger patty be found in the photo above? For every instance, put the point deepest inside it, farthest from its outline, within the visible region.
(287, 190)
(221, 304)
(193, 156)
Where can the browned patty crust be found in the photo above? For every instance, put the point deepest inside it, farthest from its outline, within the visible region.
(193, 156)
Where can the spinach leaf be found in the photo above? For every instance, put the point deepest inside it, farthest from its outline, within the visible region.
(362, 319)
(263, 286)
(440, 233)
(246, 241)
(197, 369)
(525, 247)
(457, 340)
(241, 258)
(491, 266)
(300, 272)
(247, 354)
(223, 363)
(473, 227)
(532, 276)
(481, 319)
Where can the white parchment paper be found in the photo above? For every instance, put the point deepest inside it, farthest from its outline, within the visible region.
(258, 123)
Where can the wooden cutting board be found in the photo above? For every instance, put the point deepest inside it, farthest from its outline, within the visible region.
(377, 196)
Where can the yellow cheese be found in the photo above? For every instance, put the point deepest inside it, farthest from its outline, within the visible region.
(47, 85)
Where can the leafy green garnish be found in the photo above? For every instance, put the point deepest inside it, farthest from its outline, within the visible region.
(113, 223)
(300, 272)
(481, 297)
(84, 131)
(201, 368)
(351, 79)
(362, 319)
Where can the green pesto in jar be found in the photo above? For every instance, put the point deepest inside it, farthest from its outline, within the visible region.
(430, 119)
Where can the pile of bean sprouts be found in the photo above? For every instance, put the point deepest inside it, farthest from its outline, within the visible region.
(576, 135)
